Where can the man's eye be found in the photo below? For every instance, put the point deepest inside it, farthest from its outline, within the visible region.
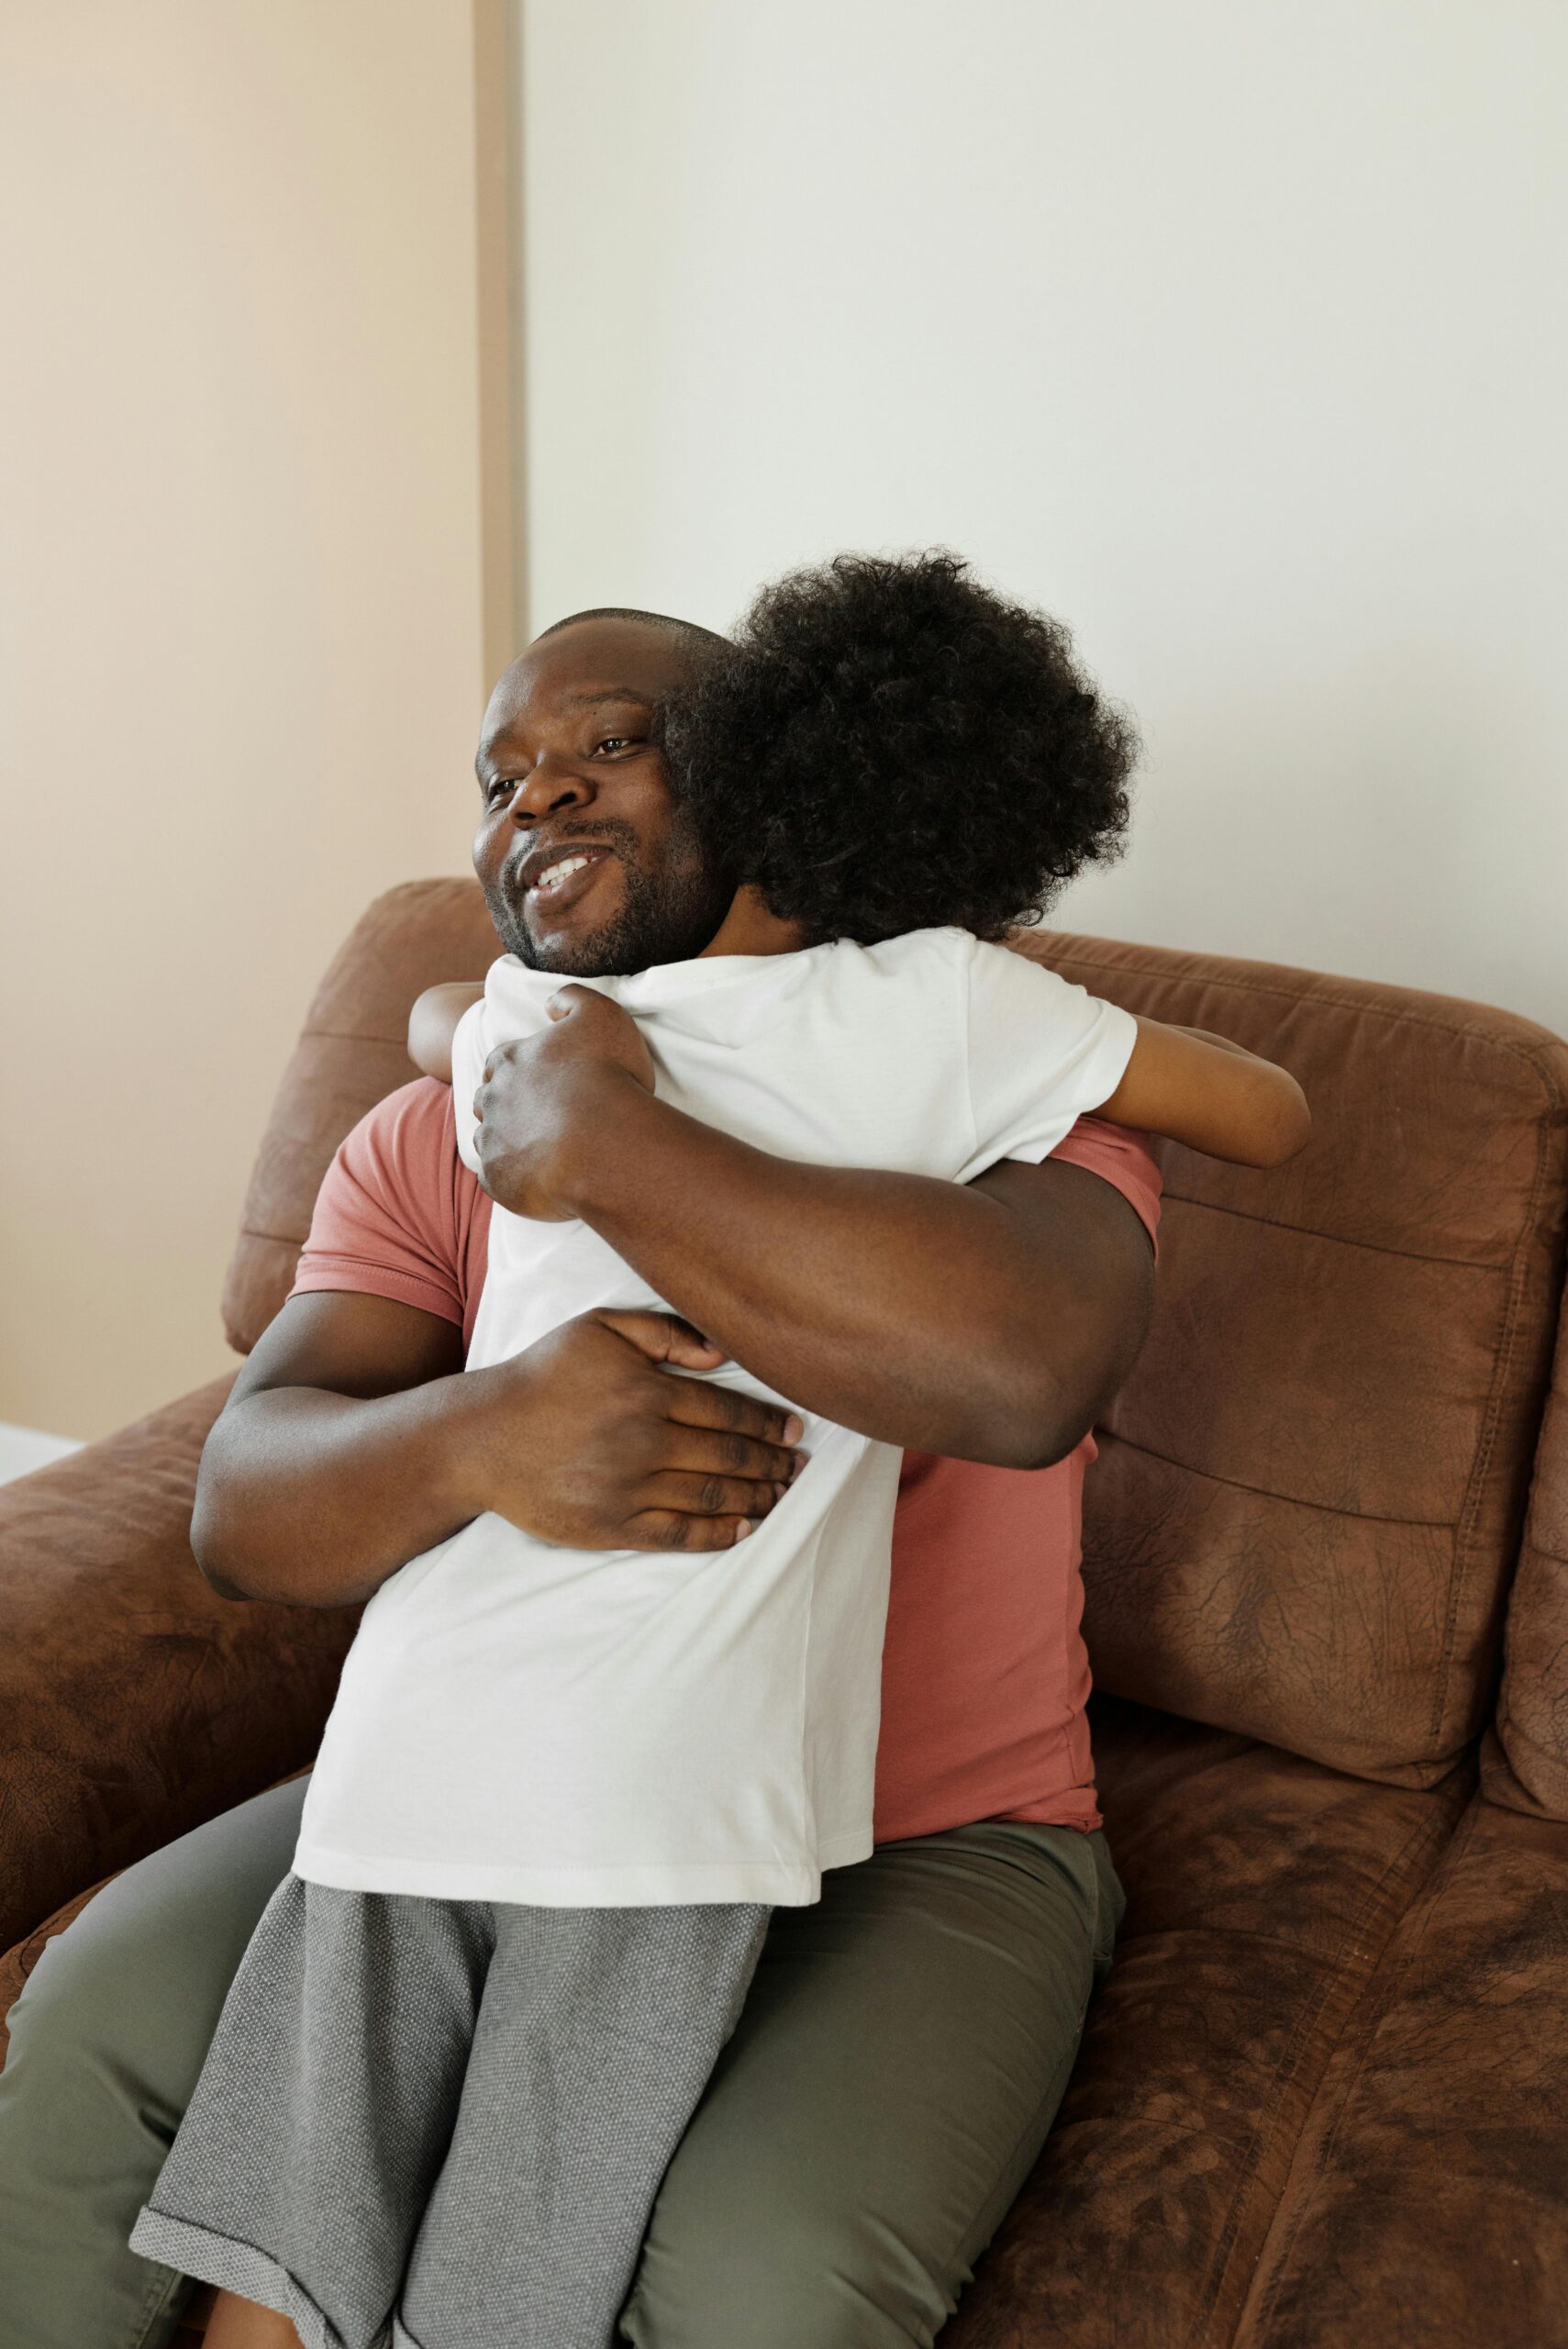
(502, 789)
(619, 742)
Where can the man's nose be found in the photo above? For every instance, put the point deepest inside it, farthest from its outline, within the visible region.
(549, 784)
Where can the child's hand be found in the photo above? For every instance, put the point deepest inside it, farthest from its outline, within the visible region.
(542, 1095)
(432, 1024)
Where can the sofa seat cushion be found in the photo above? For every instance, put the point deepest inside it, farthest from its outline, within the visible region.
(134, 1702)
(1262, 1893)
(1430, 2198)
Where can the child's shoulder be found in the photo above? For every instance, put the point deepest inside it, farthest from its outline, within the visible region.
(932, 950)
(976, 965)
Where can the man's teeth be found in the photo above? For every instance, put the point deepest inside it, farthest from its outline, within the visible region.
(554, 875)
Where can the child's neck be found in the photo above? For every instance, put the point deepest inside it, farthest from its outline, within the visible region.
(749, 929)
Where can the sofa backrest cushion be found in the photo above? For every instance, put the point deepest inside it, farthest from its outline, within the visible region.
(352, 1052)
(1524, 1762)
(1311, 1492)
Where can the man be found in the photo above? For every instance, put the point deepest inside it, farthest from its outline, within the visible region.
(906, 2042)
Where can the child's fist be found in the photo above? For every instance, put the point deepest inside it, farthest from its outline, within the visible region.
(544, 1100)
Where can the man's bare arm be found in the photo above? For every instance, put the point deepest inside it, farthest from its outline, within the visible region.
(353, 1439)
(993, 1323)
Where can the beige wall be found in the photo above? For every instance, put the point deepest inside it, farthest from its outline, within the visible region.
(1230, 331)
(1222, 329)
(243, 638)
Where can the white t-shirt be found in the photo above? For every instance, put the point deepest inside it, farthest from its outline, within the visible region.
(569, 1728)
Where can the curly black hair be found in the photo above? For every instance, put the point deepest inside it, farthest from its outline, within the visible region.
(887, 745)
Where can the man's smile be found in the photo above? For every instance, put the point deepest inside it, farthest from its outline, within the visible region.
(555, 875)
(551, 879)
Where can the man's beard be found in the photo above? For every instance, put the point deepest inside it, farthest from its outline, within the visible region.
(663, 919)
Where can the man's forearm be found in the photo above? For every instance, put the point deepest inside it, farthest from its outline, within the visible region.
(353, 1439)
(314, 1499)
(991, 1323)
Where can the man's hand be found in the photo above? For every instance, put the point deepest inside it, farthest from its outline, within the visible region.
(593, 1444)
(354, 1439)
(540, 1092)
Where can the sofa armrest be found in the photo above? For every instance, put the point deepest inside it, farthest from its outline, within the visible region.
(134, 1702)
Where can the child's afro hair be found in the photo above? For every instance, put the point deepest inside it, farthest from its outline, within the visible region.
(888, 746)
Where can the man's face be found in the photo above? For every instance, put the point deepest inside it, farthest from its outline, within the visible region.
(588, 864)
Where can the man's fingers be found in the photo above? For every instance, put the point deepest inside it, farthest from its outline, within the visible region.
(660, 1529)
(663, 1337)
(694, 1495)
(696, 1403)
(720, 1452)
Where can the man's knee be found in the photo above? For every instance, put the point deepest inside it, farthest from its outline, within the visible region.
(784, 2275)
(81, 1987)
(895, 2069)
(88, 2104)
(130, 1992)
(86, 2036)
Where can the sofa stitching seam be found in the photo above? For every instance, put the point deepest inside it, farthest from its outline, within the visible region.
(1459, 1573)
(1225, 2243)
(1263, 1492)
(1505, 1719)
(1284, 2069)
(1336, 1239)
(1454, 1848)
(1289, 2059)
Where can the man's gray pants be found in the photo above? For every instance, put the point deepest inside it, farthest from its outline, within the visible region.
(899, 2058)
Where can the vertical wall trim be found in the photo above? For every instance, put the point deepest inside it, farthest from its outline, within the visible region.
(517, 316)
(495, 114)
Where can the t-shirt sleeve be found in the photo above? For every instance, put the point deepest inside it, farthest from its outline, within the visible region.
(1041, 1053)
(468, 1067)
(388, 1220)
(1120, 1158)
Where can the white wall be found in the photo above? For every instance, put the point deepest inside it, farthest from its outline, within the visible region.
(1230, 331)
(240, 570)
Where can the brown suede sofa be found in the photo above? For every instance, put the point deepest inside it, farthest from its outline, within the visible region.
(1323, 2099)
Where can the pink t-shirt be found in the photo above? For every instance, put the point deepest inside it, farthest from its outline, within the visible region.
(984, 1674)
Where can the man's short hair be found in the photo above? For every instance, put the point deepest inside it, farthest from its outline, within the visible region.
(649, 620)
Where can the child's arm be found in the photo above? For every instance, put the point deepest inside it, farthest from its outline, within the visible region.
(1211, 1095)
(432, 1024)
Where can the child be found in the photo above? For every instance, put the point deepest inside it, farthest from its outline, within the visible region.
(559, 1790)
